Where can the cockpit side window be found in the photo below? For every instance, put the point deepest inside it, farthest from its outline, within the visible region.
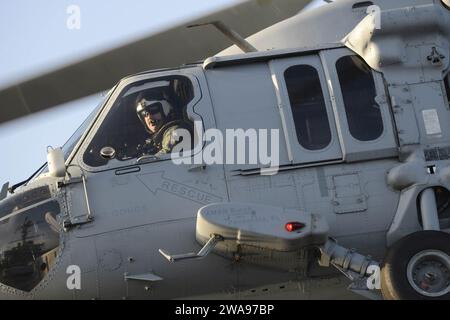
(358, 90)
(142, 120)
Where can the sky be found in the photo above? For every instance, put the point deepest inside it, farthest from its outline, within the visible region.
(35, 38)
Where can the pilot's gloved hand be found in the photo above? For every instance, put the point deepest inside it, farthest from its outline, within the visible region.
(147, 148)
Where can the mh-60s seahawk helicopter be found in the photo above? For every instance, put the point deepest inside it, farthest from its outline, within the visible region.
(360, 94)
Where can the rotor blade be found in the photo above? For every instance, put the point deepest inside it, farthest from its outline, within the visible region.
(169, 48)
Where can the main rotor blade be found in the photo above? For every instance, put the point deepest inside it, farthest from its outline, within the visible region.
(169, 48)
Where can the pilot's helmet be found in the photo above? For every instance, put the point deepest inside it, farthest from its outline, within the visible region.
(153, 107)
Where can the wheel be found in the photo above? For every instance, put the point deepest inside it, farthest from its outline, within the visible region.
(418, 268)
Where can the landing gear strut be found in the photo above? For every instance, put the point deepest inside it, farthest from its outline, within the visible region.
(357, 268)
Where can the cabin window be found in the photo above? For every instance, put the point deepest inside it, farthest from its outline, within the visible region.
(143, 121)
(358, 91)
(308, 107)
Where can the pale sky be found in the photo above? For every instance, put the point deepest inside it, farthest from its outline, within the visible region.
(35, 38)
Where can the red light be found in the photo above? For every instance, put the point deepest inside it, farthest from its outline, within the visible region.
(294, 226)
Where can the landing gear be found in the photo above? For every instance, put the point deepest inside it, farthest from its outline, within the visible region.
(418, 268)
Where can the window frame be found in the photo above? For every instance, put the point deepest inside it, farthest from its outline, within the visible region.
(116, 164)
(386, 145)
(445, 90)
(296, 125)
(297, 154)
(348, 109)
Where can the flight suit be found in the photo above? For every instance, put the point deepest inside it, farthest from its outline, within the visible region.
(163, 141)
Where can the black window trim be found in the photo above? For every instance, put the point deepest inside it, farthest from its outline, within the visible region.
(327, 105)
(344, 109)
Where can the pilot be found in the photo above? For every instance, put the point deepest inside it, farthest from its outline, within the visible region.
(161, 122)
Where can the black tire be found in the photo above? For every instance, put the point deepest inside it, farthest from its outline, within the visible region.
(394, 280)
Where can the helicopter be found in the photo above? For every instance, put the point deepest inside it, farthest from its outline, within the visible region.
(311, 156)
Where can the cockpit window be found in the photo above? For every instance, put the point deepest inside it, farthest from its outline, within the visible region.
(76, 136)
(73, 140)
(29, 242)
(24, 199)
(142, 121)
